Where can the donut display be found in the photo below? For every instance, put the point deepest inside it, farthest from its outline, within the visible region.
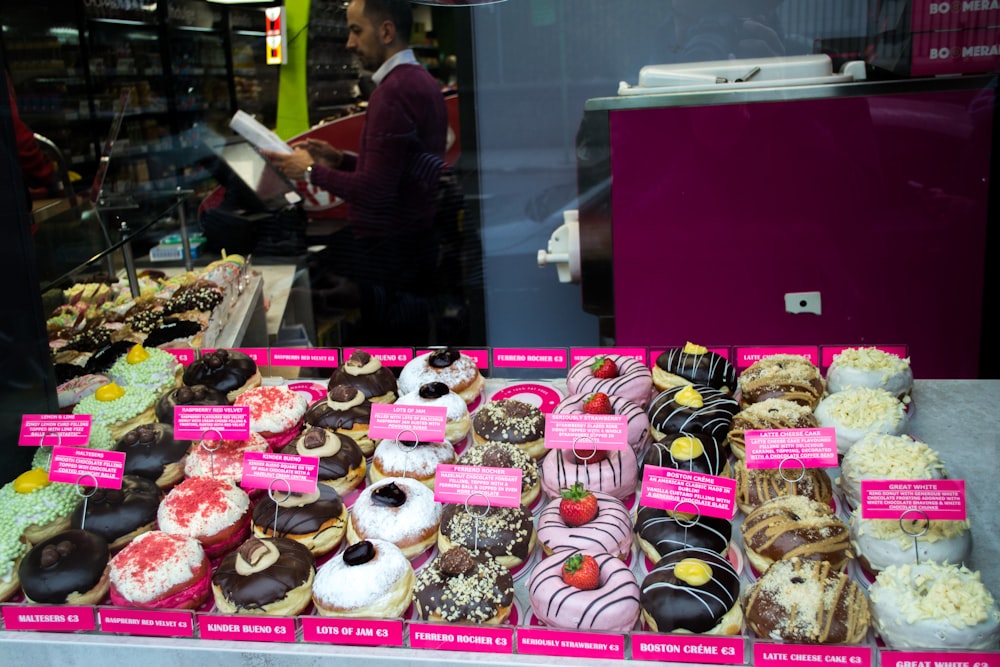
(275, 413)
(693, 364)
(692, 590)
(214, 511)
(450, 366)
(881, 543)
(880, 456)
(615, 471)
(612, 374)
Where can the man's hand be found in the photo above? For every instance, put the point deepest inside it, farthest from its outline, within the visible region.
(293, 165)
(323, 153)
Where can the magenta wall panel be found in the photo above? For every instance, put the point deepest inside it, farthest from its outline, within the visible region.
(877, 202)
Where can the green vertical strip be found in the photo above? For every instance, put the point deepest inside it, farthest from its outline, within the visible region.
(293, 98)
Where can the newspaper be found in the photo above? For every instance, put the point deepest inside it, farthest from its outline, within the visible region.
(253, 131)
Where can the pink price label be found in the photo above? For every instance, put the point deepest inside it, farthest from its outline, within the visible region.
(352, 632)
(473, 638)
(517, 357)
(49, 618)
(152, 623)
(937, 499)
(184, 357)
(477, 485)
(828, 352)
(804, 655)
(792, 448)
(197, 422)
(425, 423)
(256, 629)
(87, 467)
(563, 643)
(584, 433)
(701, 649)
(394, 357)
(685, 490)
(890, 658)
(480, 357)
(578, 354)
(748, 356)
(320, 358)
(288, 473)
(38, 430)
(258, 354)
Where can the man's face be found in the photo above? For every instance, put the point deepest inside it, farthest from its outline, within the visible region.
(365, 38)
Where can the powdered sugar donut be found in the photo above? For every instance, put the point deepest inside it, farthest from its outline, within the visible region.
(159, 570)
(612, 607)
(455, 369)
(637, 423)
(419, 461)
(275, 412)
(399, 510)
(630, 378)
(215, 512)
(615, 472)
(369, 579)
(458, 421)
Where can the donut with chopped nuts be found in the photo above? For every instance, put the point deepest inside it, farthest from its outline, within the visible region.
(463, 586)
(770, 414)
(513, 421)
(504, 533)
(506, 455)
(788, 376)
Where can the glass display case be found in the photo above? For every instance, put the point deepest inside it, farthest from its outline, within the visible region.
(255, 82)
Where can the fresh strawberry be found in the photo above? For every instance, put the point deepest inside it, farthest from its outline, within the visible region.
(604, 368)
(585, 454)
(597, 404)
(578, 505)
(582, 571)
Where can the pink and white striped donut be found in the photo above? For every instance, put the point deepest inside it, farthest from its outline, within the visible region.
(634, 380)
(637, 424)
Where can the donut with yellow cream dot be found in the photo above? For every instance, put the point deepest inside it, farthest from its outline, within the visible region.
(119, 408)
(40, 508)
(151, 368)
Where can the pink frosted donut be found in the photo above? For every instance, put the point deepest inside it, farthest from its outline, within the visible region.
(613, 606)
(609, 532)
(633, 381)
(616, 475)
(225, 460)
(73, 391)
(276, 413)
(638, 420)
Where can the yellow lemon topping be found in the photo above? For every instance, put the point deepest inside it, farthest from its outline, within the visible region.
(693, 571)
(137, 354)
(686, 448)
(109, 392)
(691, 348)
(32, 480)
(689, 397)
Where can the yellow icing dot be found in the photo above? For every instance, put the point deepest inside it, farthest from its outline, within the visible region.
(691, 348)
(686, 448)
(693, 571)
(137, 354)
(109, 392)
(690, 397)
(32, 480)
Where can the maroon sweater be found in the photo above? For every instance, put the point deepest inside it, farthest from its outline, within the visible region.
(387, 192)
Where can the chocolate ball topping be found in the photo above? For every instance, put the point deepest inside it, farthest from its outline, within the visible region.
(443, 358)
(342, 393)
(433, 390)
(359, 553)
(389, 495)
(456, 561)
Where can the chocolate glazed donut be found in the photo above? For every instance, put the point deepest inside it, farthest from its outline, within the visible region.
(149, 448)
(301, 520)
(197, 394)
(71, 562)
(255, 590)
(663, 532)
(672, 599)
(223, 370)
(117, 513)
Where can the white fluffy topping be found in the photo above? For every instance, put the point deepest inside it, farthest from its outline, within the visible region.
(202, 507)
(881, 456)
(871, 359)
(950, 593)
(890, 531)
(351, 587)
(396, 524)
(273, 409)
(457, 408)
(153, 563)
(862, 407)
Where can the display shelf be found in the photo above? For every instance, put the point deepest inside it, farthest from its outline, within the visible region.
(956, 417)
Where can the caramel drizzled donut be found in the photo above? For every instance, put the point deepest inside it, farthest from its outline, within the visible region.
(756, 486)
(795, 527)
(807, 602)
(787, 376)
(771, 414)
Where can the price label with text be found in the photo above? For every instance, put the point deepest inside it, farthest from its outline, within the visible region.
(55, 429)
(938, 499)
(87, 467)
(210, 422)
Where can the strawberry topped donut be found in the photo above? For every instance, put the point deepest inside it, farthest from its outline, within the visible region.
(579, 591)
(615, 472)
(613, 374)
(585, 521)
(599, 403)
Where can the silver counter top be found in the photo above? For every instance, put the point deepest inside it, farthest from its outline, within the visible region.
(955, 417)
